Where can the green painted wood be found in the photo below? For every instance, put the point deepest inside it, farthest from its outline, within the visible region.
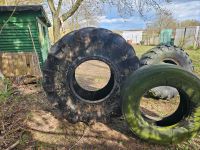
(15, 43)
(15, 36)
(23, 37)
(16, 31)
(20, 49)
(17, 28)
(27, 16)
(43, 38)
(19, 35)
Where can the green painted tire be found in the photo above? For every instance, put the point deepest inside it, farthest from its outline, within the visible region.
(180, 126)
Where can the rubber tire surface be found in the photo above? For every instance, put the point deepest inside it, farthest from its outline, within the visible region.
(163, 53)
(183, 124)
(75, 48)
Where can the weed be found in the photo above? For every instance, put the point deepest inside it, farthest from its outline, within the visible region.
(5, 89)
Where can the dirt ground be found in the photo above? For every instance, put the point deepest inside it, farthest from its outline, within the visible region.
(92, 75)
(50, 132)
(40, 127)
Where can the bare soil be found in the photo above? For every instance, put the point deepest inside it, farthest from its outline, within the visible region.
(41, 128)
(93, 75)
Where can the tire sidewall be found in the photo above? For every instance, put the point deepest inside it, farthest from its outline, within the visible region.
(178, 132)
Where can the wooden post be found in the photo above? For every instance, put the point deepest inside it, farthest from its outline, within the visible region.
(34, 49)
(196, 37)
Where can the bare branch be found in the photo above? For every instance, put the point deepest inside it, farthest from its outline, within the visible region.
(52, 6)
(72, 10)
(14, 145)
(9, 17)
(59, 5)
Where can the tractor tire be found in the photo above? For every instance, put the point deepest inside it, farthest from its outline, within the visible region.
(78, 104)
(166, 54)
(183, 124)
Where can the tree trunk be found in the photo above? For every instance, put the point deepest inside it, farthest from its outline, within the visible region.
(56, 27)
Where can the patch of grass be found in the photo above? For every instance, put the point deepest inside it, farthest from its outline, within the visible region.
(5, 89)
(195, 56)
(141, 49)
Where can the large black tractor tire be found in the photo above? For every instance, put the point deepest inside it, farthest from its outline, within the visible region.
(62, 89)
(166, 54)
(183, 124)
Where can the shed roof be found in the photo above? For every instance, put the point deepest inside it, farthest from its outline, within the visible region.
(27, 8)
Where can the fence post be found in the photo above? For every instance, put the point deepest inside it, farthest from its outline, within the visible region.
(184, 34)
(196, 42)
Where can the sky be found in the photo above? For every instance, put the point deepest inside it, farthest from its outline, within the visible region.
(181, 10)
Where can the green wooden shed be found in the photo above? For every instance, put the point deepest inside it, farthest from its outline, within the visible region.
(24, 39)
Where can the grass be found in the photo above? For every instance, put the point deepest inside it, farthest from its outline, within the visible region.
(195, 56)
(5, 90)
(141, 49)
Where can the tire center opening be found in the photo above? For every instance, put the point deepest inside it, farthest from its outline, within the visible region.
(93, 80)
(162, 112)
(158, 111)
(170, 61)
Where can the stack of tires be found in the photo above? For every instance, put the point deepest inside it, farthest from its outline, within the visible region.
(130, 79)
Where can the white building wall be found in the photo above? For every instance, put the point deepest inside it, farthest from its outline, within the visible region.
(134, 36)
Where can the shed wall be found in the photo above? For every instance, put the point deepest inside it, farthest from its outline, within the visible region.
(15, 35)
(19, 64)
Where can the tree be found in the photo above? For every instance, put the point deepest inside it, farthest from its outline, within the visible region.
(188, 23)
(163, 20)
(20, 2)
(166, 21)
(85, 16)
(125, 7)
(3, 2)
(130, 7)
(57, 19)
